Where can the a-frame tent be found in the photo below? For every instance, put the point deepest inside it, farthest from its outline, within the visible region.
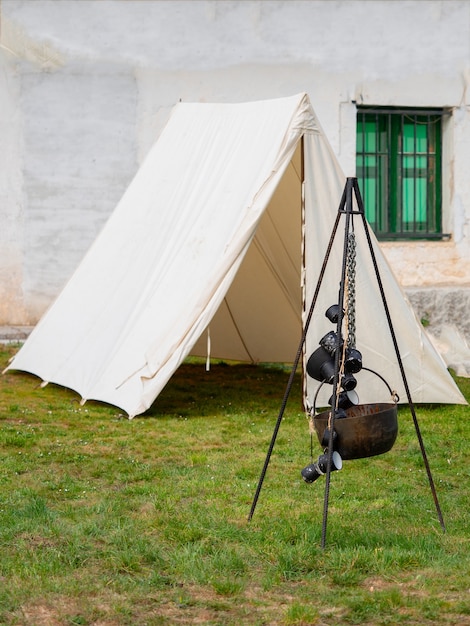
(219, 239)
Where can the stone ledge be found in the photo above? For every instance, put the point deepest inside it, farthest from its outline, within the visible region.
(438, 307)
(14, 334)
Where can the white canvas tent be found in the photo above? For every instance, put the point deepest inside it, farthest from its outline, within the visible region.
(217, 237)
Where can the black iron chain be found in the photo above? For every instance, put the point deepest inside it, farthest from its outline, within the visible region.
(351, 294)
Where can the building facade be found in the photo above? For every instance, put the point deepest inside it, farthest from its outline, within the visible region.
(86, 86)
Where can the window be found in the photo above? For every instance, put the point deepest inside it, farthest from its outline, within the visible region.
(398, 166)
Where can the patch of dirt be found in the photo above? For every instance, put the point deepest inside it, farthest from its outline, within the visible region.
(41, 615)
(375, 583)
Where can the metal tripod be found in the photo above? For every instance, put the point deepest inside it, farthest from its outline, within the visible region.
(351, 190)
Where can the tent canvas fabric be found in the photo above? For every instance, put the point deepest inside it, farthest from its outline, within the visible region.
(219, 239)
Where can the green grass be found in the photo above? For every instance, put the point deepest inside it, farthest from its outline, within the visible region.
(110, 521)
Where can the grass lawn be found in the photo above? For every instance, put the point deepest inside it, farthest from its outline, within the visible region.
(109, 521)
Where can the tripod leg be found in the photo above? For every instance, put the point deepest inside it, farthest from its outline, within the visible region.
(296, 361)
(348, 202)
(400, 363)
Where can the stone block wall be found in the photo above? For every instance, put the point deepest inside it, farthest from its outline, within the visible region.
(442, 306)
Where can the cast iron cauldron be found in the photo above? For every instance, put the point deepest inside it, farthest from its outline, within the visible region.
(367, 430)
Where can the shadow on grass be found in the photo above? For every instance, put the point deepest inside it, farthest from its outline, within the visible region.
(193, 391)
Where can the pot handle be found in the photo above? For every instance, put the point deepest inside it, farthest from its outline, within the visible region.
(393, 394)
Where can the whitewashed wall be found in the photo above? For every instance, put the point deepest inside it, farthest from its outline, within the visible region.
(86, 85)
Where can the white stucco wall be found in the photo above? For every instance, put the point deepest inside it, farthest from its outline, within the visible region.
(86, 85)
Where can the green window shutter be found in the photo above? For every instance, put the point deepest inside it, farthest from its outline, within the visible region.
(398, 166)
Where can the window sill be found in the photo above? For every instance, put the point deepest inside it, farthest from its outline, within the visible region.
(437, 238)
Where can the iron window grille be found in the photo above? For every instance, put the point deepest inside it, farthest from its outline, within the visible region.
(398, 167)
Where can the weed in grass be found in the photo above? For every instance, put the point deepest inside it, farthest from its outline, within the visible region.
(77, 620)
(227, 586)
(301, 614)
(377, 607)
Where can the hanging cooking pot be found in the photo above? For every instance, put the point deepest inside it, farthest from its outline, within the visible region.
(364, 430)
